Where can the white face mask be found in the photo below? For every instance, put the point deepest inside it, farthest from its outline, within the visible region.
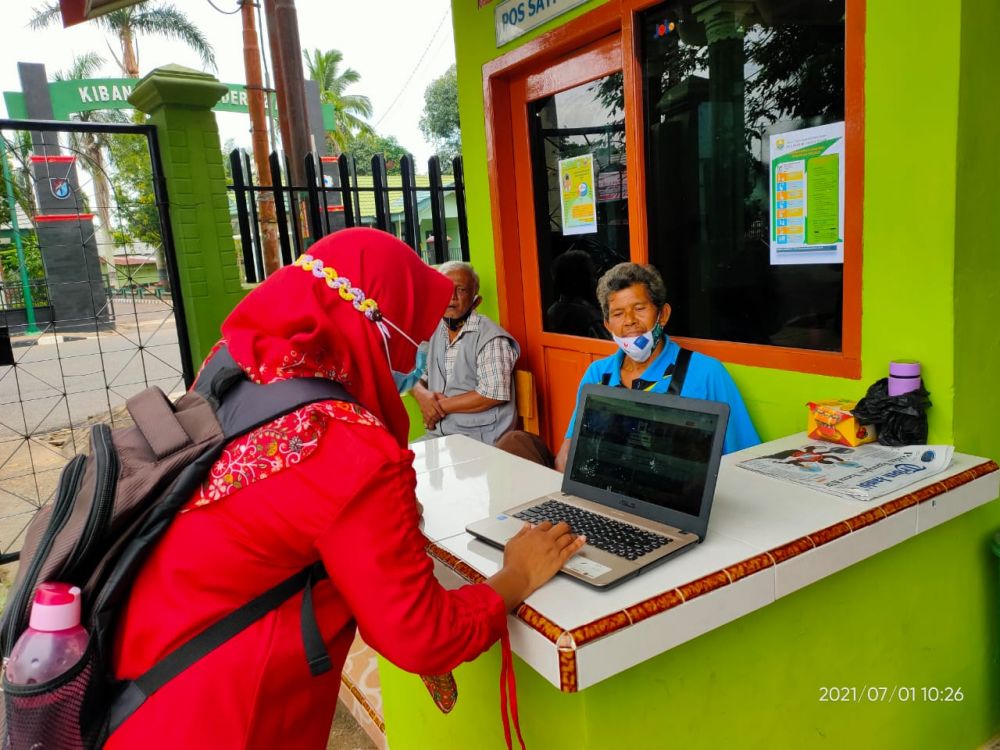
(639, 348)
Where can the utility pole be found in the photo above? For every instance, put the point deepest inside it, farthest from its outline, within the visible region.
(258, 132)
(286, 58)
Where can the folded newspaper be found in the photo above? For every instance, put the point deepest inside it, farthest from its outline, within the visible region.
(861, 473)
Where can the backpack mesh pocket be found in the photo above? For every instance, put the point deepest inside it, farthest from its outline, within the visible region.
(64, 713)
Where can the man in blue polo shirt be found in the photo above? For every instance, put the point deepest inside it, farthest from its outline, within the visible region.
(634, 303)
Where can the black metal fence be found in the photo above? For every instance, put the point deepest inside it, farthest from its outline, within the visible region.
(90, 310)
(416, 209)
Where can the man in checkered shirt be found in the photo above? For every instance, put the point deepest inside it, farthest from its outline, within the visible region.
(468, 389)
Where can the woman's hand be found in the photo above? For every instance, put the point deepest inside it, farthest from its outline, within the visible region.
(532, 557)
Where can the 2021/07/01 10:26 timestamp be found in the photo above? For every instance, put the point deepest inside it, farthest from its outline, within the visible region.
(886, 694)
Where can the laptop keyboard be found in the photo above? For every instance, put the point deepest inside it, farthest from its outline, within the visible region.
(621, 539)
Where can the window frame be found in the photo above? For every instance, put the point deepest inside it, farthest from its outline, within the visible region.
(622, 17)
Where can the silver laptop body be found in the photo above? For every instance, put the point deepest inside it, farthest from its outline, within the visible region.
(639, 481)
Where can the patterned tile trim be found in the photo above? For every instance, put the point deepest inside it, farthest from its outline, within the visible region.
(363, 702)
(669, 599)
(652, 606)
(539, 622)
(461, 567)
(749, 566)
(791, 549)
(567, 670)
(824, 536)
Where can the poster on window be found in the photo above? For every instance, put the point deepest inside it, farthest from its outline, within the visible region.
(807, 196)
(579, 202)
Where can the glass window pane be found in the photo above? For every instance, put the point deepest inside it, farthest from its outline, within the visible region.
(585, 120)
(719, 79)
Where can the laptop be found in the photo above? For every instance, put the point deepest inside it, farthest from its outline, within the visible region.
(639, 483)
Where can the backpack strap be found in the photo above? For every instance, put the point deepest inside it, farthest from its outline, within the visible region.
(680, 371)
(135, 692)
(676, 371)
(242, 406)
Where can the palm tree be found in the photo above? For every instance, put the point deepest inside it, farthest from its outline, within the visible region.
(128, 24)
(92, 146)
(349, 109)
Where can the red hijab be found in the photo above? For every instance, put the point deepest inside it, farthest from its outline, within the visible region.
(295, 325)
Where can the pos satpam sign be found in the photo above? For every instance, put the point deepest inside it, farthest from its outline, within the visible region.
(516, 17)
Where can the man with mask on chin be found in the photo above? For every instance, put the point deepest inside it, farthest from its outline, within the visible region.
(468, 389)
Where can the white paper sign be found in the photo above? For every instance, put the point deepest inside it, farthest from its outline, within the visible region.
(514, 18)
(807, 195)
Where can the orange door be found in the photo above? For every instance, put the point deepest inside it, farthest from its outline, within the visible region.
(568, 133)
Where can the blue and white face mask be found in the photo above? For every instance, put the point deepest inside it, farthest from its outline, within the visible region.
(639, 348)
(406, 381)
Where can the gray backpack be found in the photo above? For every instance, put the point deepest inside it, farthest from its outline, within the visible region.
(110, 509)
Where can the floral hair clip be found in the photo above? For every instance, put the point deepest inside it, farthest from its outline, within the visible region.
(343, 286)
(352, 294)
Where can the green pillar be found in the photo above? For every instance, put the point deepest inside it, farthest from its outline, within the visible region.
(179, 103)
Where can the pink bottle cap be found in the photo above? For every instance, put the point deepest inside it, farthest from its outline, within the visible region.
(56, 607)
(904, 376)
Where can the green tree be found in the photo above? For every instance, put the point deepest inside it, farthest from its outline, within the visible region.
(350, 110)
(439, 122)
(138, 216)
(366, 145)
(161, 19)
(18, 153)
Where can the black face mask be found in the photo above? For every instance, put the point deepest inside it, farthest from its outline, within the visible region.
(456, 323)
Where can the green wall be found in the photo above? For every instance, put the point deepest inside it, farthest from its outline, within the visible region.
(921, 614)
(977, 270)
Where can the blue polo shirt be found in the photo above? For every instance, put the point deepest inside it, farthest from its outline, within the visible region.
(706, 379)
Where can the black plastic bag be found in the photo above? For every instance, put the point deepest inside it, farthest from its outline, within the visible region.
(899, 420)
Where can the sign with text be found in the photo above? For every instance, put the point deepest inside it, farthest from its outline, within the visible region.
(807, 195)
(517, 17)
(87, 95)
(579, 208)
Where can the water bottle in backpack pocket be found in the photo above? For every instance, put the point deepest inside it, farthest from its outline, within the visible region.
(47, 680)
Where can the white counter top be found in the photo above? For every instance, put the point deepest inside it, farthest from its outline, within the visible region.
(766, 539)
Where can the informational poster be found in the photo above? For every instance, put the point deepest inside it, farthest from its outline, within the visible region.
(579, 202)
(807, 195)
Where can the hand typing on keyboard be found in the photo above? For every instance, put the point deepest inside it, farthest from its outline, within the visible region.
(531, 557)
(621, 539)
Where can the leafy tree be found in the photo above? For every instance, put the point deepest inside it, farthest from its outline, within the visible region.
(17, 153)
(366, 145)
(139, 219)
(350, 110)
(439, 122)
(32, 261)
(161, 19)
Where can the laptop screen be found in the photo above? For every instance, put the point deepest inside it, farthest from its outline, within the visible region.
(646, 451)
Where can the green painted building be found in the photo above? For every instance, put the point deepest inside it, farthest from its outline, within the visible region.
(921, 278)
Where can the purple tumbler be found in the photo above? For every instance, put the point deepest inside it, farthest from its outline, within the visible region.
(904, 376)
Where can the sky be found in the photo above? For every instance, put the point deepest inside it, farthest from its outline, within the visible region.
(382, 39)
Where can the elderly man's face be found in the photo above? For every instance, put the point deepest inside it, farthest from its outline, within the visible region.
(464, 297)
(631, 312)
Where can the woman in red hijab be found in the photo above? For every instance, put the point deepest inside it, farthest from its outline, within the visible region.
(332, 482)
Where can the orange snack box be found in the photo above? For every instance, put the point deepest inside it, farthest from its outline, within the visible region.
(832, 420)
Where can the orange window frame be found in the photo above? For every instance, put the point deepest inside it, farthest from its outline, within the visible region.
(619, 17)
